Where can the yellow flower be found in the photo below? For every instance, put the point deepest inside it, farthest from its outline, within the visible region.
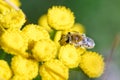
(60, 18)
(13, 19)
(5, 72)
(54, 70)
(44, 50)
(13, 42)
(77, 27)
(69, 56)
(24, 67)
(92, 64)
(35, 32)
(16, 2)
(42, 21)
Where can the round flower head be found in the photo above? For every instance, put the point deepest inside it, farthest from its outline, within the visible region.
(42, 21)
(24, 67)
(54, 70)
(92, 64)
(77, 28)
(13, 42)
(69, 56)
(5, 72)
(35, 32)
(60, 18)
(44, 50)
(13, 19)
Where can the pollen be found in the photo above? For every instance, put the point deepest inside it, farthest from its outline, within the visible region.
(60, 18)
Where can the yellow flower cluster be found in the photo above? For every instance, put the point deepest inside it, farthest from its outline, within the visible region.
(61, 20)
(32, 45)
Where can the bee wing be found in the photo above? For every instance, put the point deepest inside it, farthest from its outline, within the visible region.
(87, 43)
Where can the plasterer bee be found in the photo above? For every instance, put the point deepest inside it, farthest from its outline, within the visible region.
(78, 40)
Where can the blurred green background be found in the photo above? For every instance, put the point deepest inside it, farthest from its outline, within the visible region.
(101, 19)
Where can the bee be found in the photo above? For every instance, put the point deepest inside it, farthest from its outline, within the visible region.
(77, 39)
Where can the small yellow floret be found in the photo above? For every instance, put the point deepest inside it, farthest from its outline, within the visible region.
(92, 64)
(5, 72)
(24, 67)
(69, 56)
(13, 19)
(44, 50)
(54, 70)
(60, 18)
(42, 21)
(13, 42)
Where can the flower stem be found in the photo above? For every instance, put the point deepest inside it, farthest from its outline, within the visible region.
(109, 58)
